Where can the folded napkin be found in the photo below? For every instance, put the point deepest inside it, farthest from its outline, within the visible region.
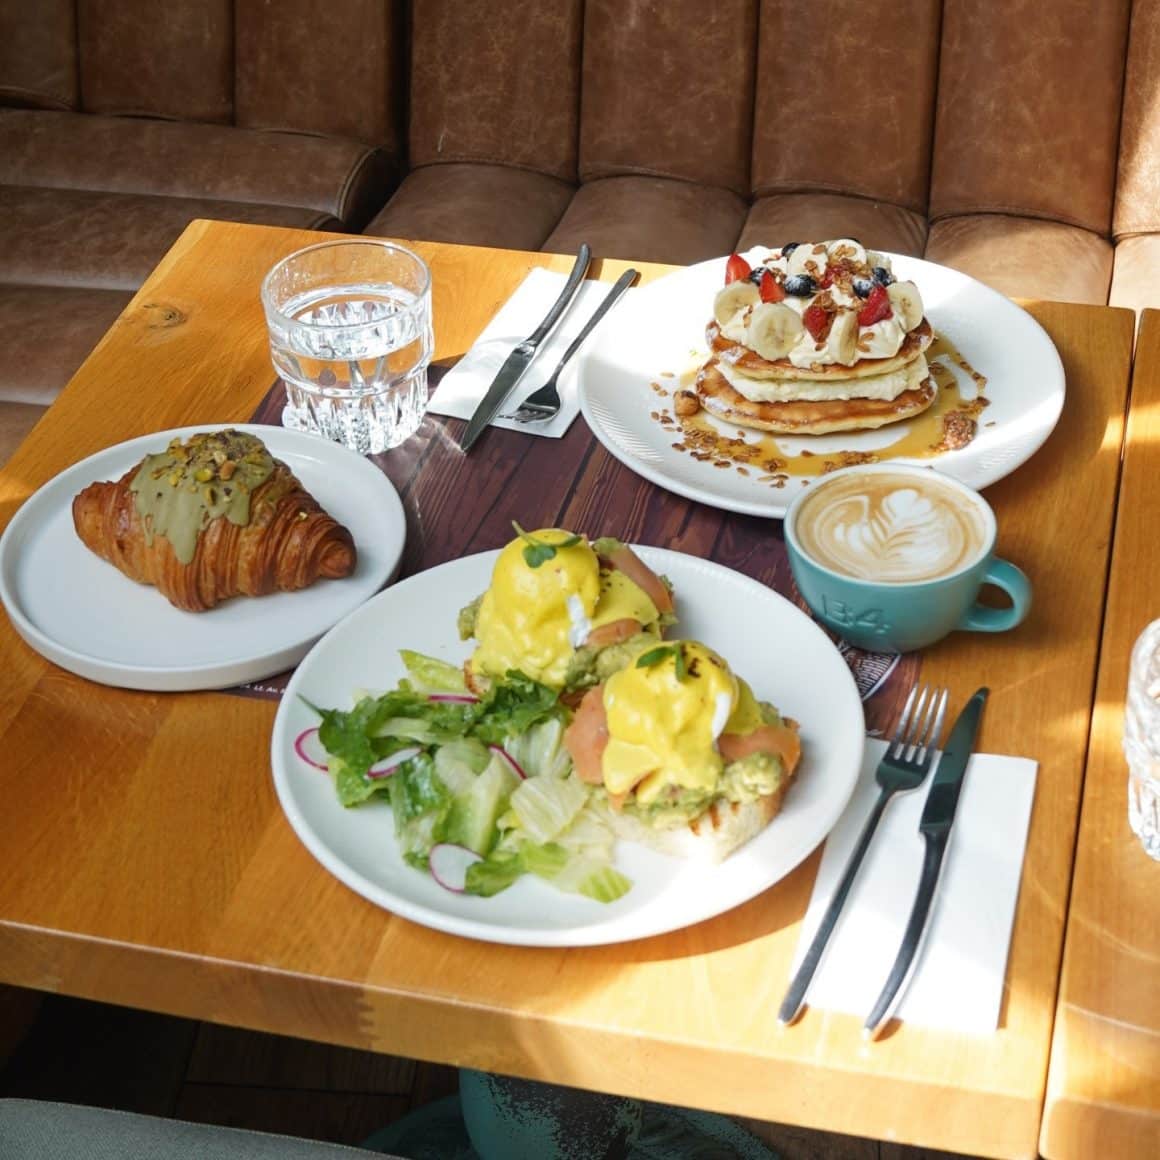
(957, 982)
(463, 387)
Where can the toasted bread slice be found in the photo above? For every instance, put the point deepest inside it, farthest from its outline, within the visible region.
(750, 363)
(711, 836)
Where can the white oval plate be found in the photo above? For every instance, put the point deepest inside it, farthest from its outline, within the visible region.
(84, 615)
(661, 328)
(785, 656)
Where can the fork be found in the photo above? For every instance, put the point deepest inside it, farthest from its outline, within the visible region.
(544, 403)
(903, 767)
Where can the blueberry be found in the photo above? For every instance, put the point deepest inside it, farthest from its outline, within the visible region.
(863, 286)
(756, 274)
(789, 248)
(800, 285)
(882, 276)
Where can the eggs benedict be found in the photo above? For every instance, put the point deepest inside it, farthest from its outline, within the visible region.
(690, 761)
(563, 610)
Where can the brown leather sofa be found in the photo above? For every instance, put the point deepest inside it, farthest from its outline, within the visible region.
(123, 120)
(1018, 140)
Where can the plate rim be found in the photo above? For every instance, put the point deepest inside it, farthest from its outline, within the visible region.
(778, 503)
(597, 934)
(182, 677)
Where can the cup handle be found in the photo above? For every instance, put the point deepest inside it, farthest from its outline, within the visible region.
(1012, 581)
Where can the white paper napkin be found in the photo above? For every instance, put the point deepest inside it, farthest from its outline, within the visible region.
(958, 980)
(464, 386)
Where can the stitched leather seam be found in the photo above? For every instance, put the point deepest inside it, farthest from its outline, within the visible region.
(359, 166)
(1018, 211)
(843, 191)
(487, 159)
(595, 174)
(1148, 230)
(58, 103)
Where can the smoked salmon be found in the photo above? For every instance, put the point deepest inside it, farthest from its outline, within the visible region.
(587, 736)
(625, 560)
(614, 632)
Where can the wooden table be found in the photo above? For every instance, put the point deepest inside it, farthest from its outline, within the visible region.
(1103, 1089)
(147, 862)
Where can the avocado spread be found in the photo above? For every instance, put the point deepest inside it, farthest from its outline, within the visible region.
(742, 781)
(178, 491)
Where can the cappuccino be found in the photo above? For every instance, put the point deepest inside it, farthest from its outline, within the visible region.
(891, 527)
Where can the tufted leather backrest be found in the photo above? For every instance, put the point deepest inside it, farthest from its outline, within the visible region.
(1138, 186)
(38, 59)
(1029, 109)
(946, 107)
(282, 65)
(668, 90)
(845, 98)
(339, 76)
(172, 60)
(496, 81)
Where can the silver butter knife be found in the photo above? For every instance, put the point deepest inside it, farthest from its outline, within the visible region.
(520, 359)
(935, 826)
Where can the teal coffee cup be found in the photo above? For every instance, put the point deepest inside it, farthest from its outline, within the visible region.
(892, 558)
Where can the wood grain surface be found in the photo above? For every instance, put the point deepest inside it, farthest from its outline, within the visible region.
(148, 862)
(1103, 1091)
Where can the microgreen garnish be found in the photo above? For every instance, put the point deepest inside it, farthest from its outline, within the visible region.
(538, 552)
(655, 656)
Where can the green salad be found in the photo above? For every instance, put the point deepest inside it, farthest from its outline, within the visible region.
(481, 789)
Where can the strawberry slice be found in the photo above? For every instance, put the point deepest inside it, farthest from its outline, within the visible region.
(817, 321)
(736, 269)
(770, 288)
(827, 278)
(877, 307)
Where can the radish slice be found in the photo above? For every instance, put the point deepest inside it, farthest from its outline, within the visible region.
(309, 748)
(448, 864)
(453, 698)
(387, 765)
(512, 764)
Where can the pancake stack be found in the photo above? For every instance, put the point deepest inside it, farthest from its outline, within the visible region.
(816, 338)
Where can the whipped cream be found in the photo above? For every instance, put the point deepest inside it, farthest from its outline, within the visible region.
(886, 386)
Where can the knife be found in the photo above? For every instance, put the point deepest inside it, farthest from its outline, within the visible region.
(935, 826)
(520, 359)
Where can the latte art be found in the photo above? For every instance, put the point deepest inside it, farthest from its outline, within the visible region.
(891, 528)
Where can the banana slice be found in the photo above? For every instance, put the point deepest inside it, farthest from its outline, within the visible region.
(773, 330)
(842, 341)
(734, 297)
(847, 248)
(906, 302)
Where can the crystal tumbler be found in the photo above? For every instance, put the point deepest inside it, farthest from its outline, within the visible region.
(351, 337)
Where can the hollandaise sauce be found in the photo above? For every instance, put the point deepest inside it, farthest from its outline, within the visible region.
(178, 491)
(541, 608)
(664, 719)
(529, 612)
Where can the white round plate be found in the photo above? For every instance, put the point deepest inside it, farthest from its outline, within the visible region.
(84, 615)
(661, 328)
(785, 656)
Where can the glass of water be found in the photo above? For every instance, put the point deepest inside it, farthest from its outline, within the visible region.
(351, 337)
(1142, 739)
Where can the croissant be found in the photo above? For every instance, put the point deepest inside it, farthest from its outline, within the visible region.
(210, 519)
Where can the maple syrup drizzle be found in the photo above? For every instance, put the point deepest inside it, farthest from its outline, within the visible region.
(949, 422)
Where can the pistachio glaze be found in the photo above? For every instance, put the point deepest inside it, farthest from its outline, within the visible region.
(180, 490)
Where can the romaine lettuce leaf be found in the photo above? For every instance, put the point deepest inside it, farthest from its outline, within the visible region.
(433, 675)
(543, 806)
